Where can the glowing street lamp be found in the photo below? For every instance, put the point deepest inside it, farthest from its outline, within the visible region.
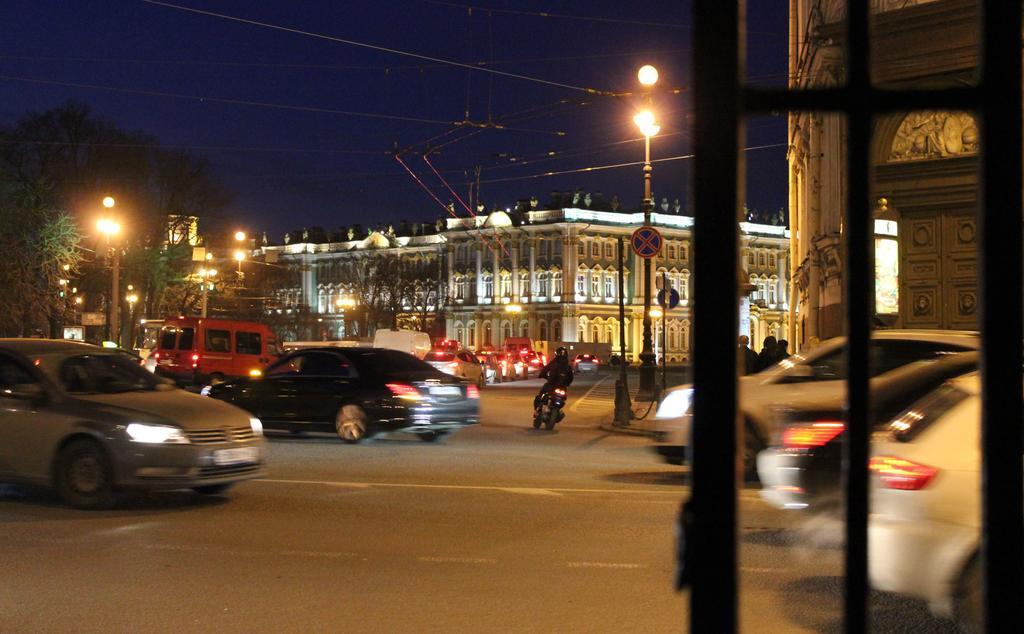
(645, 121)
(240, 236)
(648, 75)
(204, 279)
(110, 228)
(513, 308)
(240, 257)
(108, 202)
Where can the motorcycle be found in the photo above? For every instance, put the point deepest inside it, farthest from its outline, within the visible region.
(550, 412)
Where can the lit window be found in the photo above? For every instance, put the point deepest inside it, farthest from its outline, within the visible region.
(581, 284)
(609, 286)
(542, 284)
(609, 250)
(581, 248)
(595, 285)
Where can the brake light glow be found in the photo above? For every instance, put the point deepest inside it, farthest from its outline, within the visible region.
(404, 390)
(156, 355)
(472, 391)
(812, 434)
(559, 391)
(900, 473)
(195, 357)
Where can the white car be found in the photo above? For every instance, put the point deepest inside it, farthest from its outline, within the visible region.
(813, 378)
(586, 363)
(924, 529)
(461, 364)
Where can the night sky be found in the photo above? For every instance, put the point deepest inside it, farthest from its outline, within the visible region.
(313, 165)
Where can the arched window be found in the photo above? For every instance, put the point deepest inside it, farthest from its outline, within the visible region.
(488, 286)
(460, 287)
(686, 334)
(755, 294)
(595, 284)
(487, 333)
(524, 283)
(762, 287)
(773, 283)
(595, 249)
(763, 259)
(609, 250)
(671, 252)
(609, 285)
(684, 286)
(751, 259)
(542, 247)
(673, 337)
(612, 336)
(771, 259)
(595, 334)
(471, 331)
(581, 248)
(542, 284)
(581, 283)
(684, 252)
(542, 330)
(556, 283)
(460, 333)
(506, 330)
(506, 285)
(556, 330)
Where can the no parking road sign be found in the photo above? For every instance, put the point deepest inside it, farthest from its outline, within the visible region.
(646, 242)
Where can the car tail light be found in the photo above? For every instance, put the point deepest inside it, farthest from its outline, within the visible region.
(815, 434)
(404, 390)
(156, 355)
(902, 474)
(559, 391)
(472, 391)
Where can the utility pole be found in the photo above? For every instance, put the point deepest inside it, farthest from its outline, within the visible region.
(623, 406)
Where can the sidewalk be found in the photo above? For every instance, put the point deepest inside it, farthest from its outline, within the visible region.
(643, 423)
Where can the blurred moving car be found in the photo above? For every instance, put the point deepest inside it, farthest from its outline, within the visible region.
(90, 422)
(500, 366)
(802, 468)
(355, 393)
(585, 363)
(460, 364)
(813, 378)
(924, 531)
(193, 351)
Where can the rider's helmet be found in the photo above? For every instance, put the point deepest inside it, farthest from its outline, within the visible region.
(561, 353)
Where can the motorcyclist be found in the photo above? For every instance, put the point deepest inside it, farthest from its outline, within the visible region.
(557, 373)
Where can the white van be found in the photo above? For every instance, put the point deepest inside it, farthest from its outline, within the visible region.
(411, 341)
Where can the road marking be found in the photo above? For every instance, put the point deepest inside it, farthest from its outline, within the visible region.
(530, 491)
(597, 397)
(603, 564)
(470, 487)
(457, 560)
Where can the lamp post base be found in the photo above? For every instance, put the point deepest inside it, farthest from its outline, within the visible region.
(648, 384)
(623, 406)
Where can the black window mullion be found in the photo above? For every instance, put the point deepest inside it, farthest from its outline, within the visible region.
(717, 74)
(1001, 258)
(858, 278)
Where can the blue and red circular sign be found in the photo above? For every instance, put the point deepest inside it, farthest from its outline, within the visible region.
(646, 242)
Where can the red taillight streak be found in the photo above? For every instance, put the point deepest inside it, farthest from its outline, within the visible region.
(811, 435)
(402, 389)
(472, 391)
(559, 391)
(901, 474)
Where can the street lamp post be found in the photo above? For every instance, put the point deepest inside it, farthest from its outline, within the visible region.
(110, 228)
(132, 298)
(204, 277)
(648, 76)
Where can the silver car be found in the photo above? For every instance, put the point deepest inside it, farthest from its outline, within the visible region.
(90, 423)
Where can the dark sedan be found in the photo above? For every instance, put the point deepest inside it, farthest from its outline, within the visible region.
(802, 469)
(355, 393)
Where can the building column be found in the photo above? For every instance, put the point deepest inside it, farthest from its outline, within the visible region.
(496, 331)
(532, 291)
(479, 272)
(570, 261)
(516, 291)
(496, 298)
(309, 285)
(451, 270)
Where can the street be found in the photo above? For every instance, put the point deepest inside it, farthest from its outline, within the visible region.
(497, 528)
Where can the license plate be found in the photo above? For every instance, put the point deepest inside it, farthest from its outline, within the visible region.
(445, 390)
(236, 455)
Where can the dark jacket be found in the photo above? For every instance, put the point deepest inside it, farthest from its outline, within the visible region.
(751, 363)
(557, 372)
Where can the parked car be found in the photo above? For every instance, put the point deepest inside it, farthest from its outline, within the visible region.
(924, 532)
(90, 422)
(815, 377)
(408, 341)
(200, 350)
(461, 364)
(585, 363)
(802, 468)
(500, 366)
(355, 393)
(520, 349)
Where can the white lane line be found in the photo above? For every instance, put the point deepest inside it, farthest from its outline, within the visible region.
(583, 399)
(457, 560)
(468, 487)
(603, 564)
(530, 491)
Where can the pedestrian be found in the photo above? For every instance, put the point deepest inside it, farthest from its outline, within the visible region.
(783, 350)
(748, 357)
(767, 356)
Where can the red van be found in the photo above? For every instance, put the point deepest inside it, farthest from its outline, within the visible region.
(195, 350)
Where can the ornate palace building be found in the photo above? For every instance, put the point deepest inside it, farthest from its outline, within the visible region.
(547, 274)
(925, 170)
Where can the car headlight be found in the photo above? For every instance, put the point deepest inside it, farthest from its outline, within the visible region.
(257, 426)
(676, 404)
(156, 434)
(205, 391)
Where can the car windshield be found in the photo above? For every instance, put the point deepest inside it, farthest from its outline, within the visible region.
(105, 374)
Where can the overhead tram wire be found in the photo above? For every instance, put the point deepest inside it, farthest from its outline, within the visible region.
(383, 49)
(598, 168)
(225, 100)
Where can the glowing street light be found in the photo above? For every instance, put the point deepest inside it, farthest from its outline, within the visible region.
(645, 121)
(240, 257)
(656, 313)
(345, 302)
(513, 308)
(110, 228)
(108, 202)
(240, 236)
(648, 75)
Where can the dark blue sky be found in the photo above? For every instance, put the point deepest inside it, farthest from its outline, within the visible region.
(289, 168)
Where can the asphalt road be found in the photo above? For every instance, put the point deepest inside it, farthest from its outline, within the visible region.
(498, 528)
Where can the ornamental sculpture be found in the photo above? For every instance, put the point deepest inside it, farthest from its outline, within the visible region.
(932, 135)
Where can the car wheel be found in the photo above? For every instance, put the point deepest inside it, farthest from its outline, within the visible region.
(968, 607)
(350, 423)
(85, 477)
(751, 447)
(214, 489)
(431, 436)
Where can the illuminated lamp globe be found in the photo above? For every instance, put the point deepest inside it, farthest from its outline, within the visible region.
(108, 201)
(648, 75)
